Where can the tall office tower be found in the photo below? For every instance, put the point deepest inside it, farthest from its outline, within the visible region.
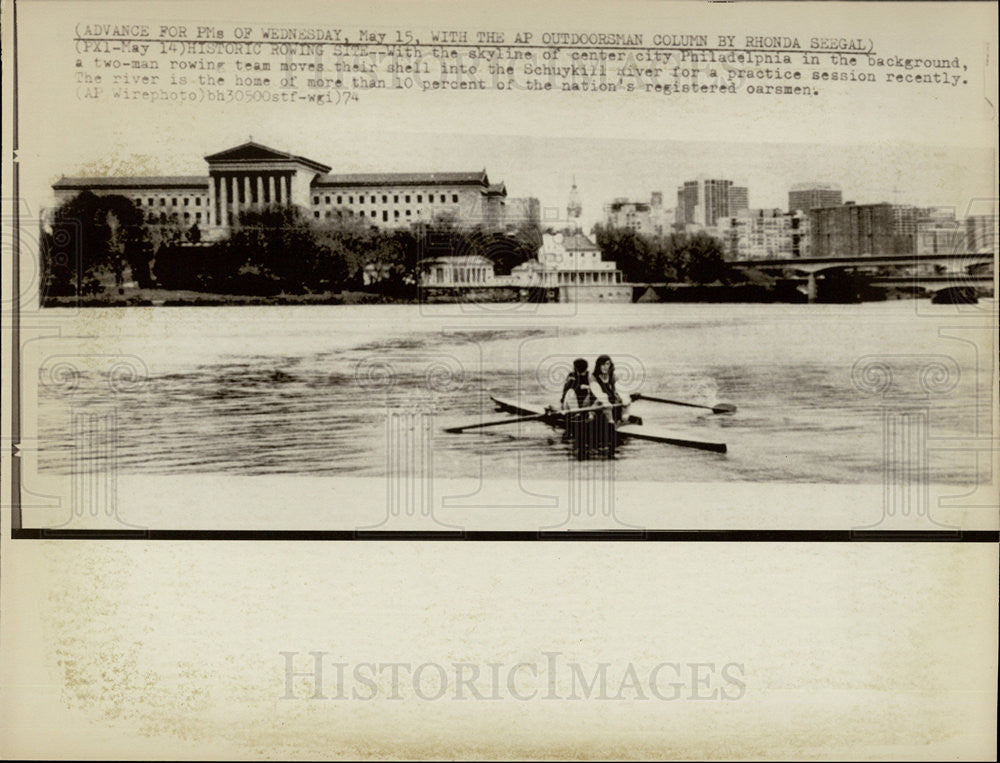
(806, 196)
(705, 200)
(739, 199)
(852, 230)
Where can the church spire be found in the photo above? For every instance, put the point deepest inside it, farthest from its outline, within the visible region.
(574, 208)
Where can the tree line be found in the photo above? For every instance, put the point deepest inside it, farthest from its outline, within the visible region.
(95, 240)
(671, 258)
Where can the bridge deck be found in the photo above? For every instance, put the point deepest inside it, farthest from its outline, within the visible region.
(887, 259)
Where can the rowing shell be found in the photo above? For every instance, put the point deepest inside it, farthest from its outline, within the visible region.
(638, 431)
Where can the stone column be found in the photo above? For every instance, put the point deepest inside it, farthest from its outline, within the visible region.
(270, 188)
(223, 201)
(211, 201)
(247, 193)
(260, 191)
(286, 187)
(235, 189)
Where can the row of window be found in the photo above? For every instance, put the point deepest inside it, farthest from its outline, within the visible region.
(152, 202)
(328, 199)
(588, 277)
(372, 215)
(464, 275)
(442, 198)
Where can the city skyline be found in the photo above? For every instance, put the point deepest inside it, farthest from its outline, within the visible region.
(603, 169)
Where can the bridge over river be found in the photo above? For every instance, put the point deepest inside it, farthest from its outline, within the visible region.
(950, 271)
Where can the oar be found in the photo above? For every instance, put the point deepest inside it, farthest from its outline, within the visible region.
(720, 408)
(532, 417)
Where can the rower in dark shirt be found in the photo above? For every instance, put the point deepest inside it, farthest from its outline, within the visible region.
(578, 381)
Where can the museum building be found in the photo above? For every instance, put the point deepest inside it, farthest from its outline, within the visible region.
(253, 176)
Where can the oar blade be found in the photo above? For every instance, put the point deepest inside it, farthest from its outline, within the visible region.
(720, 408)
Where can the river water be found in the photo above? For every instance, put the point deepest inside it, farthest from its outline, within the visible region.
(324, 390)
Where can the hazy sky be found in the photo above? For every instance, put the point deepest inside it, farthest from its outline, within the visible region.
(603, 168)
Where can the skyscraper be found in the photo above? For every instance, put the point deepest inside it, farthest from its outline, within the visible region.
(705, 200)
(806, 196)
(981, 233)
(739, 199)
(852, 230)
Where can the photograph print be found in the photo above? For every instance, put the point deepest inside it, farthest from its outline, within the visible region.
(263, 316)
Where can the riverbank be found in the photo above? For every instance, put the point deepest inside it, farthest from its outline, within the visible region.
(748, 293)
(181, 298)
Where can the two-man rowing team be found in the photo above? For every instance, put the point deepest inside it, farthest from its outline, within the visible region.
(584, 389)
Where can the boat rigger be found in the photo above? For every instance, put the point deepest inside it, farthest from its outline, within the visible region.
(531, 412)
